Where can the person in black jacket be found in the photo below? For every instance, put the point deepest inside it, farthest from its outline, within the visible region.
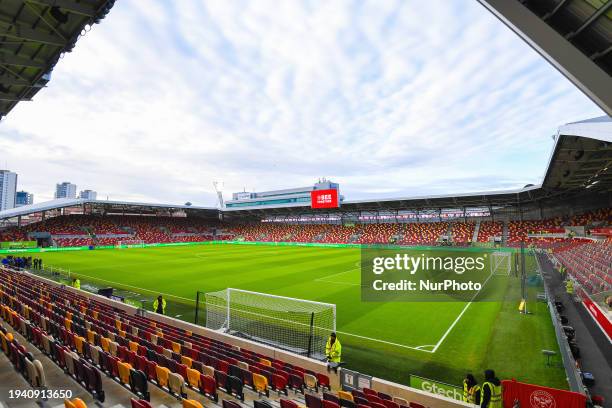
(491, 391)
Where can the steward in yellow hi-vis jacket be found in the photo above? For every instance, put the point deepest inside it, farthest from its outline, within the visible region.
(491, 396)
(471, 390)
(76, 283)
(159, 305)
(333, 352)
(569, 287)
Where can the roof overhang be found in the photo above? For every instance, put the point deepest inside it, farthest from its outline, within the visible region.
(107, 205)
(574, 36)
(33, 36)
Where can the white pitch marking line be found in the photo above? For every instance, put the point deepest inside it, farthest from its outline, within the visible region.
(385, 341)
(460, 315)
(325, 278)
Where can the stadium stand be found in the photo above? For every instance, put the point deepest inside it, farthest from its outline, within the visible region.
(423, 233)
(84, 230)
(462, 232)
(490, 229)
(101, 346)
(588, 262)
(378, 233)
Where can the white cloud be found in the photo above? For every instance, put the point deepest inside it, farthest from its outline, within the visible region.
(387, 98)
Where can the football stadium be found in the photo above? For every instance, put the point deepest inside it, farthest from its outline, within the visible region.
(302, 296)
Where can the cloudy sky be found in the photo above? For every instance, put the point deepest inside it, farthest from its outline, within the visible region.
(387, 98)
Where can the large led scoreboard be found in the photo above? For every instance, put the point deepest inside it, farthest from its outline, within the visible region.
(324, 198)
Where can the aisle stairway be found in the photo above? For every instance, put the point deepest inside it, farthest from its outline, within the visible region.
(476, 230)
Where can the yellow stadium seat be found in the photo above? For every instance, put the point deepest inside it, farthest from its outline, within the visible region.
(91, 339)
(176, 347)
(79, 403)
(189, 403)
(105, 343)
(133, 346)
(186, 360)
(162, 376)
(124, 372)
(75, 403)
(265, 362)
(193, 377)
(78, 343)
(345, 395)
(260, 384)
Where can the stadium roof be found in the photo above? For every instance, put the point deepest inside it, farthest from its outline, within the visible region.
(33, 36)
(574, 36)
(581, 158)
(105, 205)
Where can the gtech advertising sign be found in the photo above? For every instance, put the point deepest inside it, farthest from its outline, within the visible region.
(324, 198)
(436, 387)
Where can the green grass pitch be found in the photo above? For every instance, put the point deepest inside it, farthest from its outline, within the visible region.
(389, 340)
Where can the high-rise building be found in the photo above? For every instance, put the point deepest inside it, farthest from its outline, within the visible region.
(88, 195)
(65, 190)
(8, 187)
(23, 198)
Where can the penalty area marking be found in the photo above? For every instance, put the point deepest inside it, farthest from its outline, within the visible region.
(418, 348)
(325, 279)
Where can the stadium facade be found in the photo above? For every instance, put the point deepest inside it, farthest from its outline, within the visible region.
(291, 197)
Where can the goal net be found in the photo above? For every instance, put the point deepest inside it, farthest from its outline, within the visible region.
(296, 325)
(130, 243)
(501, 263)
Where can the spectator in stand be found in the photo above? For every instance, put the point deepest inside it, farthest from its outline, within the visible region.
(491, 391)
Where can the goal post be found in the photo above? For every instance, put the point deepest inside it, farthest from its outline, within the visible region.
(501, 263)
(296, 325)
(130, 243)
